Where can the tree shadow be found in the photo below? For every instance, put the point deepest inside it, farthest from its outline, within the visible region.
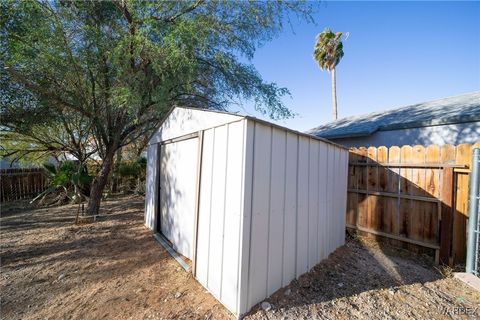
(413, 205)
(111, 249)
(350, 270)
(414, 220)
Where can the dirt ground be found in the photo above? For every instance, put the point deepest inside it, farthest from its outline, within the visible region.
(114, 269)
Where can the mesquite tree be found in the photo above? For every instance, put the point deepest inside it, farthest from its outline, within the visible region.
(121, 65)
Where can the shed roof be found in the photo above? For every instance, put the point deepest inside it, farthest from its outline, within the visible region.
(452, 110)
(156, 138)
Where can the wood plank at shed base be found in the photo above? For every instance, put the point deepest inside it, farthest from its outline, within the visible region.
(391, 236)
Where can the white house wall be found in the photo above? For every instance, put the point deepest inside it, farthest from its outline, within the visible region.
(453, 134)
(298, 194)
(220, 212)
(182, 121)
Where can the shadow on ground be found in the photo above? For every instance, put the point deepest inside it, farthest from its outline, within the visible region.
(366, 281)
(112, 268)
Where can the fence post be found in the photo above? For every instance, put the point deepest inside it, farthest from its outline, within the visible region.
(473, 199)
(447, 216)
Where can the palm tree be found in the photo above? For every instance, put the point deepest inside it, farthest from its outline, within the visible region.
(328, 52)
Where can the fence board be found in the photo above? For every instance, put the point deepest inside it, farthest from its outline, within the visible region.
(460, 216)
(19, 183)
(393, 187)
(404, 192)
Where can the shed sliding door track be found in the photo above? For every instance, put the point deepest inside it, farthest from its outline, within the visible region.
(172, 252)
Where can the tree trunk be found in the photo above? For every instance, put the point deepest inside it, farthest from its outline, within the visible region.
(334, 94)
(98, 185)
(115, 176)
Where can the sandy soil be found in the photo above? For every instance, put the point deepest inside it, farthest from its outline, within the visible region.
(114, 269)
(110, 269)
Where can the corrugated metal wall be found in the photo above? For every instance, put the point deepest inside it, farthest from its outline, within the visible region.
(297, 192)
(272, 205)
(219, 222)
(151, 187)
(180, 122)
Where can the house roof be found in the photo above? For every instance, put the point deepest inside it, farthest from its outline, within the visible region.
(452, 110)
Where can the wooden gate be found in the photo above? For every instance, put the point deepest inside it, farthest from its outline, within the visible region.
(413, 195)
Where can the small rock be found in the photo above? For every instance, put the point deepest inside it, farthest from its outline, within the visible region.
(60, 277)
(178, 295)
(287, 292)
(340, 284)
(266, 306)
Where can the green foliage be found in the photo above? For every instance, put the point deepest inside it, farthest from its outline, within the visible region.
(124, 64)
(67, 174)
(17, 148)
(115, 68)
(328, 49)
(68, 177)
(133, 168)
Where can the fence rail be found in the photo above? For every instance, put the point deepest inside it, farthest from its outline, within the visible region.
(413, 195)
(18, 184)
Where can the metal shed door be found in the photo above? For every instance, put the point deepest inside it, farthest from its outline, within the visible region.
(178, 176)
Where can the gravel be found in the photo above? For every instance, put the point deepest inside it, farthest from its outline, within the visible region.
(364, 281)
(114, 269)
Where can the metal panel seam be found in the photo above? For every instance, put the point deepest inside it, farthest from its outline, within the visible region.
(197, 201)
(241, 225)
(284, 211)
(210, 206)
(251, 213)
(269, 209)
(296, 208)
(327, 206)
(156, 212)
(308, 206)
(224, 213)
(318, 204)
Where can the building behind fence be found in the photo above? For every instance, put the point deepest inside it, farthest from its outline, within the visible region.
(21, 183)
(413, 195)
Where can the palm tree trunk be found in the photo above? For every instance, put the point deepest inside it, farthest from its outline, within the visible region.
(334, 94)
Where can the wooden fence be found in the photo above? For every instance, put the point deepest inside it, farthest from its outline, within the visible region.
(17, 184)
(415, 196)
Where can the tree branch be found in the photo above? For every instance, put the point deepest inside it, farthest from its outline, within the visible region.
(186, 10)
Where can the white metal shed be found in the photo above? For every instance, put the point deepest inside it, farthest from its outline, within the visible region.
(253, 205)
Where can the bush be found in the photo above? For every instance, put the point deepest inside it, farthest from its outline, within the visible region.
(68, 180)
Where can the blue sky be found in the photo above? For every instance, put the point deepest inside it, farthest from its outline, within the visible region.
(397, 53)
